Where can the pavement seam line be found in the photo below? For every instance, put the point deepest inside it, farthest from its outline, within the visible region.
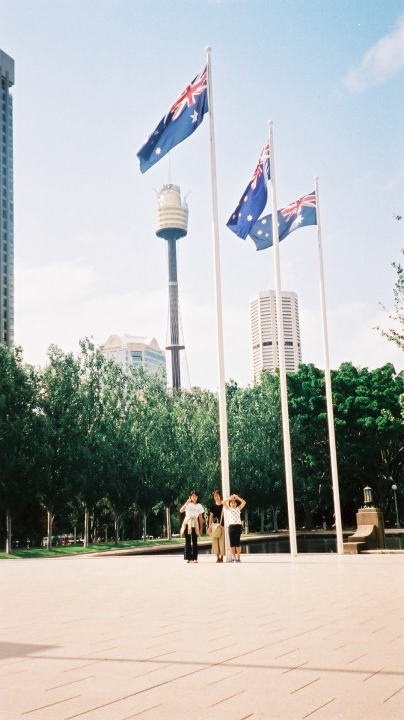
(43, 707)
(318, 708)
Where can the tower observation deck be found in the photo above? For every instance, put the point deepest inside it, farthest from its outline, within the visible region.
(172, 224)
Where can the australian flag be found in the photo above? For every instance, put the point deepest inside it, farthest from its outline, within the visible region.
(254, 198)
(182, 119)
(297, 214)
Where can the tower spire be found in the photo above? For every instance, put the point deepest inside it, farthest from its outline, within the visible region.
(172, 224)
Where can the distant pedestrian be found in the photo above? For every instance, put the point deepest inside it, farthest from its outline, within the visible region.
(232, 519)
(216, 525)
(192, 526)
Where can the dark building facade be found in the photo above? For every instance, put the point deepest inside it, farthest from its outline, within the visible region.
(6, 203)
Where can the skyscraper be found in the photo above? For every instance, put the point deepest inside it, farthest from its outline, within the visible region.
(6, 203)
(264, 332)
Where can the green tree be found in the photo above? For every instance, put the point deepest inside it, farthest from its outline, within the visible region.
(396, 334)
(94, 422)
(195, 415)
(157, 449)
(19, 427)
(368, 419)
(255, 445)
(309, 445)
(60, 404)
(122, 406)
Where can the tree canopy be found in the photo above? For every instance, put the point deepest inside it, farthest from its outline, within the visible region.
(92, 447)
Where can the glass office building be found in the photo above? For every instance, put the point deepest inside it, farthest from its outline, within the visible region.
(6, 203)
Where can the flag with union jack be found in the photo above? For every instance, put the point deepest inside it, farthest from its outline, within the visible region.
(298, 214)
(182, 119)
(253, 199)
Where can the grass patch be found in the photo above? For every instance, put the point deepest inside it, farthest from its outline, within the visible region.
(64, 550)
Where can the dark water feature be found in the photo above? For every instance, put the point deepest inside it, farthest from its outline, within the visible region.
(311, 544)
(306, 544)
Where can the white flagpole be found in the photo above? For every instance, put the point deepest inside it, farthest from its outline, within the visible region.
(281, 354)
(328, 390)
(224, 450)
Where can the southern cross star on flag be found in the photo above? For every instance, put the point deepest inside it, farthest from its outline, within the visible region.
(253, 199)
(298, 214)
(182, 119)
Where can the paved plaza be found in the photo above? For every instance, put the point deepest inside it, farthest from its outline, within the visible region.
(115, 638)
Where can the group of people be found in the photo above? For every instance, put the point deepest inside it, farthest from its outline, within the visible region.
(223, 514)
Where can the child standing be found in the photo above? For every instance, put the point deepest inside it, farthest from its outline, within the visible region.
(232, 519)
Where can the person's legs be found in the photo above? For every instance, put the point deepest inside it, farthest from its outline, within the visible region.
(188, 548)
(221, 546)
(234, 535)
(238, 547)
(215, 548)
(194, 552)
(233, 541)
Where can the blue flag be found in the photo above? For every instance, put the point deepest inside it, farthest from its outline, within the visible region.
(254, 198)
(182, 119)
(297, 214)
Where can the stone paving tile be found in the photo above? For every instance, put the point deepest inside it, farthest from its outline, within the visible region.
(113, 638)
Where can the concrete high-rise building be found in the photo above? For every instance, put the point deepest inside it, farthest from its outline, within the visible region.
(6, 203)
(131, 351)
(264, 332)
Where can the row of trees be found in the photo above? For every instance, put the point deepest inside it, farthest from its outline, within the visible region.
(88, 446)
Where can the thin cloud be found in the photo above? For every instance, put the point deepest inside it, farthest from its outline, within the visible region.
(380, 62)
(59, 303)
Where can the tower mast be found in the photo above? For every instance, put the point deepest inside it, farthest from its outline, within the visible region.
(172, 224)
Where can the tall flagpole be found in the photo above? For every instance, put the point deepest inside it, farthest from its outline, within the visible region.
(328, 390)
(281, 354)
(224, 450)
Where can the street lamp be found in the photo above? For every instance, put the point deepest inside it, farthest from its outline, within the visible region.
(394, 489)
(368, 496)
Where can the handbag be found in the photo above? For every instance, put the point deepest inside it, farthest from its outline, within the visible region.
(216, 529)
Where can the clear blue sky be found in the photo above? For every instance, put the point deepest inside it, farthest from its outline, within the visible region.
(93, 78)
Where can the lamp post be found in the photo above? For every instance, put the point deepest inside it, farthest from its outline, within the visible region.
(368, 496)
(394, 489)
